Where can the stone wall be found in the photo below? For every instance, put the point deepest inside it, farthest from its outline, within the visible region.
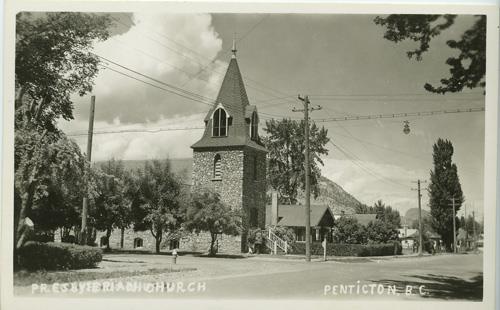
(189, 243)
(231, 183)
(241, 186)
(201, 243)
(128, 239)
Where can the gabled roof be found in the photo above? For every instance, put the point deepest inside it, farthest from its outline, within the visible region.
(362, 219)
(410, 233)
(294, 215)
(233, 98)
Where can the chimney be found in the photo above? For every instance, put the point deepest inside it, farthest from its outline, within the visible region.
(274, 208)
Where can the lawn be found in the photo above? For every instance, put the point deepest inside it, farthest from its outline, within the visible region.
(26, 278)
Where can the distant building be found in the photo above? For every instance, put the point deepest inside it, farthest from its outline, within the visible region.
(408, 237)
(322, 219)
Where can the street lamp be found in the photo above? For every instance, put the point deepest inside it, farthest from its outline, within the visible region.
(406, 127)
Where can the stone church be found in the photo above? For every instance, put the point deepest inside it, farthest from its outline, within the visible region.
(228, 159)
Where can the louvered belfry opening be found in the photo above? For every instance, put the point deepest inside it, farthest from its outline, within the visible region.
(217, 167)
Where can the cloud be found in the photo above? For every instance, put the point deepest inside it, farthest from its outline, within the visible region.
(388, 182)
(138, 141)
(170, 48)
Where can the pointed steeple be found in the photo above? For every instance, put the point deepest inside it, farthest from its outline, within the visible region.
(233, 99)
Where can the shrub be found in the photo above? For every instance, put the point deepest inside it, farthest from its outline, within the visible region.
(381, 249)
(347, 230)
(57, 256)
(348, 249)
(285, 233)
(381, 232)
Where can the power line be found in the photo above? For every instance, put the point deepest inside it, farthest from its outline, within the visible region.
(398, 115)
(161, 43)
(192, 59)
(156, 80)
(143, 130)
(357, 161)
(161, 61)
(199, 98)
(393, 94)
(225, 52)
(159, 87)
(167, 38)
(156, 130)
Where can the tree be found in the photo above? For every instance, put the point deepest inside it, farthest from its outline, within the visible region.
(348, 230)
(362, 208)
(286, 144)
(468, 225)
(444, 186)
(49, 171)
(468, 68)
(54, 61)
(159, 203)
(112, 208)
(380, 231)
(387, 214)
(206, 212)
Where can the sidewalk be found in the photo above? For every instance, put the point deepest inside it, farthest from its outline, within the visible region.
(318, 258)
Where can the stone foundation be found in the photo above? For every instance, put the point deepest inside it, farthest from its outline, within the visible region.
(189, 243)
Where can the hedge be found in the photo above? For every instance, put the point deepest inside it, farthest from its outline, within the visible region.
(344, 249)
(58, 256)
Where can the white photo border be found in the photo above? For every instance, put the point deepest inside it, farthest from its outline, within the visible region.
(491, 182)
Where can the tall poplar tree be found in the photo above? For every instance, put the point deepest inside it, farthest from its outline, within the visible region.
(444, 186)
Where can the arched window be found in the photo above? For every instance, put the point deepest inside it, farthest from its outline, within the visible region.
(219, 123)
(217, 167)
(138, 243)
(254, 126)
(103, 241)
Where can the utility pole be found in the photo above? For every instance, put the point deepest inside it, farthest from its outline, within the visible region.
(454, 227)
(420, 231)
(307, 166)
(466, 228)
(474, 228)
(83, 232)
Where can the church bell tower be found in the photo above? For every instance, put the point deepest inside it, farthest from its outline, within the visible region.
(230, 158)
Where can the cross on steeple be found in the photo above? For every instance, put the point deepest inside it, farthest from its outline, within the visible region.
(234, 46)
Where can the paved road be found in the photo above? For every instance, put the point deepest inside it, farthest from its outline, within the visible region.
(445, 277)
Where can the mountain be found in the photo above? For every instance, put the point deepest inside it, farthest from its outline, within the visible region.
(180, 166)
(412, 215)
(331, 193)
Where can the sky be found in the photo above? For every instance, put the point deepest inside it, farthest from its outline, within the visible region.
(341, 62)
